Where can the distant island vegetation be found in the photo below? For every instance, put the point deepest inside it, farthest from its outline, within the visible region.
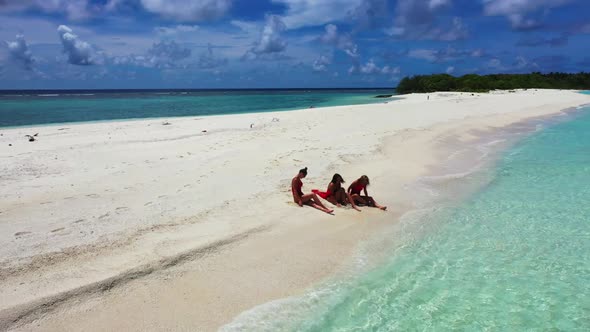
(484, 83)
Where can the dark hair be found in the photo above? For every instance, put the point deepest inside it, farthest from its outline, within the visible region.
(303, 171)
(337, 178)
(365, 179)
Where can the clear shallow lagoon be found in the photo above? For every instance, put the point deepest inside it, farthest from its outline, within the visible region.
(46, 107)
(514, 256)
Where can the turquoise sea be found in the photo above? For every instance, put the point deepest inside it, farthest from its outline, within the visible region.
(24, 108)
(513, 256)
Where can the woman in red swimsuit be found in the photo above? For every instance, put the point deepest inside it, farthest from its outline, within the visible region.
(335, 193)
(355, 188)
(309, 199)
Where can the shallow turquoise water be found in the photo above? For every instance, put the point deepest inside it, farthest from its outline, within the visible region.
(71, 106)
(513, 257)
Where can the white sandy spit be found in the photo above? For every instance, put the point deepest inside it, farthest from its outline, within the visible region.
(87, 207)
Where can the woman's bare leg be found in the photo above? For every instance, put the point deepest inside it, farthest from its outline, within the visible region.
(314, 205)
(315, 202)
(333, 200)
(373, 202)
(351, 200)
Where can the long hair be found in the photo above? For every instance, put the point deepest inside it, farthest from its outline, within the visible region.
(365, 179)
(337, 178)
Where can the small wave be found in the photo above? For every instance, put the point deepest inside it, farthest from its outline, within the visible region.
(48, 95)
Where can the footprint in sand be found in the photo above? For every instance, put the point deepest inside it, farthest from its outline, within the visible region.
(93, 195)
(162, 196)
(148, 203)
(19, 235)
(78, 221)
(121, 209)
(57, 230)
(104, 216)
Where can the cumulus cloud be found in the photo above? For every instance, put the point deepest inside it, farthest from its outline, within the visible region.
(166, 54)
(188, 10)
(301, 13)
(321, 64)
(371, 68)
(417, 19)
(343, 42)
(79, 52)
(271, 42)
(450, 70)
(519, 12)
(19, 52)
(73, 9)
(208, 60)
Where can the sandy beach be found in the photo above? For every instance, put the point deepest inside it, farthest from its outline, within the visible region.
(184, 223)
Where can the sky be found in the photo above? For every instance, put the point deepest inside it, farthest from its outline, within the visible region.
(117, 44)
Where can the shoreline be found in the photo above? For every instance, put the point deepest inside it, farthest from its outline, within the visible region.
(378, 165)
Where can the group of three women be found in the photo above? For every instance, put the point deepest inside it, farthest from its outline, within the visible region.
(335, 194)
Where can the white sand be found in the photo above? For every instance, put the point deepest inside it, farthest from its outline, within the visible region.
(90, 207)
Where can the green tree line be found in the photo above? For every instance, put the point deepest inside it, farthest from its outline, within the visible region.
(481, 83)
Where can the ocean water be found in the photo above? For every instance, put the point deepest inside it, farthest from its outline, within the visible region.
(47, 107)
(513, 256)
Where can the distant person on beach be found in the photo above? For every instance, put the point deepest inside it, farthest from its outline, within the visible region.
(302, 199)
(355, 188)
(336, 194)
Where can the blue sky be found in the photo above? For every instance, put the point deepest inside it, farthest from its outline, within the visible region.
(53, 44)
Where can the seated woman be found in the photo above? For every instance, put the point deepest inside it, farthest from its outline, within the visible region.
(354, 190)
(336, 194)
(309, 199)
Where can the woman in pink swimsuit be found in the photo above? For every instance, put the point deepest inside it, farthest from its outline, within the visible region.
(355, 188)
(335, 194)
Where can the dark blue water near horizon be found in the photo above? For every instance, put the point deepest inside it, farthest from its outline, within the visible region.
(41, 107)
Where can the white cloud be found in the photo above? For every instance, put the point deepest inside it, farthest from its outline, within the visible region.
(387, 70)
(169, 31)
(371, 68)
(73, 9)
(321, 63)
(450, 70)
(188, 10)
(301, 13)
(79, 52)
(516, 11)
(270, 42)
(164, 54)
(344, 42)
(423, 54)
(495, 64)
(19, 51)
